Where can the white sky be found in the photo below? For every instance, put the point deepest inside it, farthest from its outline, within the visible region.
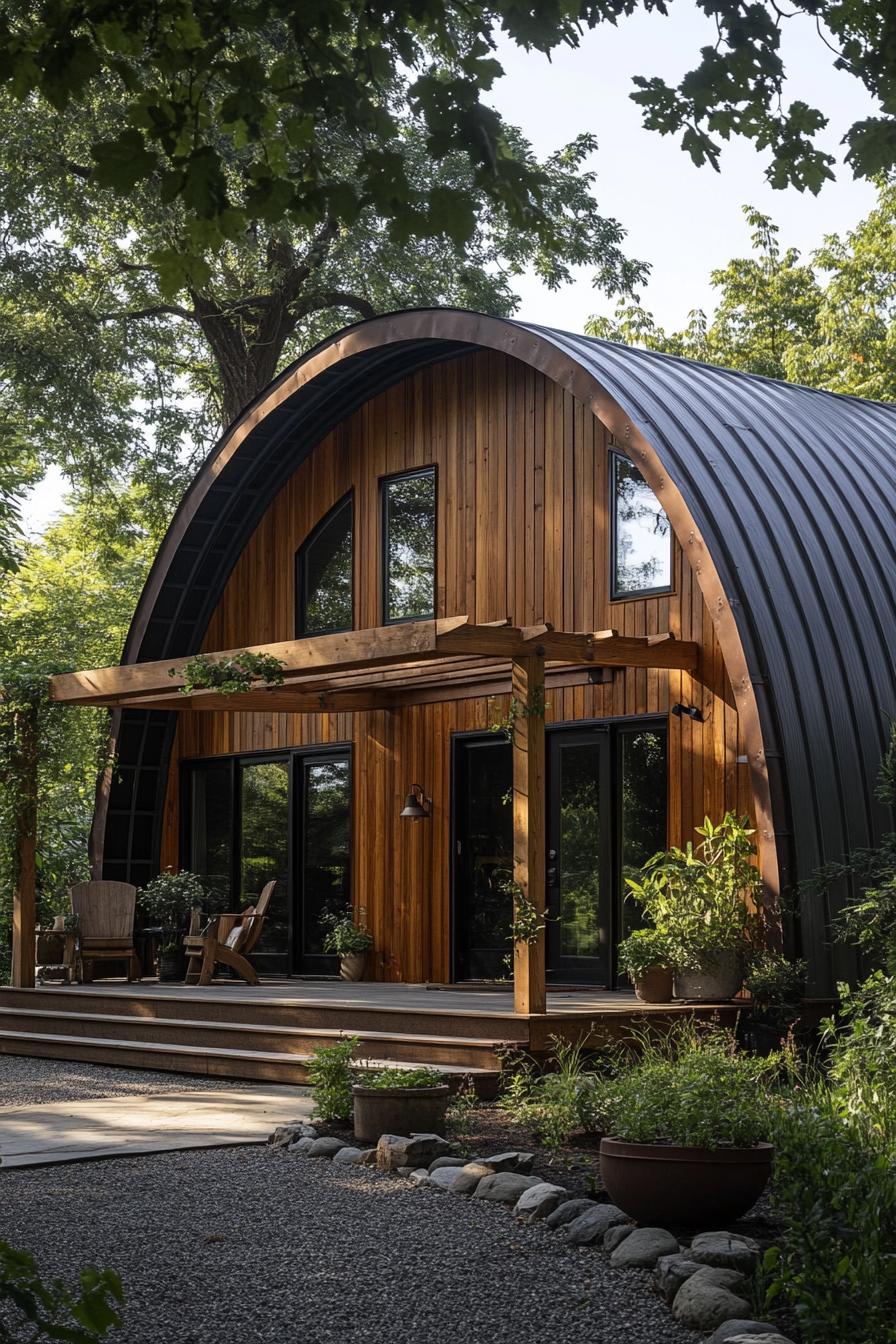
(683, 220)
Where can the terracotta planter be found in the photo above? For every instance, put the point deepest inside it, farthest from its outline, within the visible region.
(399, 1110)
(659, 1184)
(351, 966)
(653, 985)
(716, 982)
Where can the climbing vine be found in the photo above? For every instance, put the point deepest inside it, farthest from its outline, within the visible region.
(229, 676)
(536, 708)
(527, 922)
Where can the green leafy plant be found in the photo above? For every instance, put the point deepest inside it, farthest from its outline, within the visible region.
(704, 899)
(421, 1077)
(331, 1075)
(536, 708)
(691, 1088)
(344, 936)
(461, 1109)
(642, 950)
(229, 676)
(168, 899)
(71, 923)
(33, 1309)
(556, 1101)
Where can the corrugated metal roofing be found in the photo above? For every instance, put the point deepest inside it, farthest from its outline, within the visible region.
(793, 491)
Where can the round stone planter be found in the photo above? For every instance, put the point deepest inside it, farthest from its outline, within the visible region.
(653, 985)
(352, 965)
(399, 1110)
(716, 982)
(659, 1184)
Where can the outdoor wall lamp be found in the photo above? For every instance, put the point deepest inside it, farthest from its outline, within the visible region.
(416, 804)
(689, 711)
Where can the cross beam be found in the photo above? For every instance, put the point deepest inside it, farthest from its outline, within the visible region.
(320, 666)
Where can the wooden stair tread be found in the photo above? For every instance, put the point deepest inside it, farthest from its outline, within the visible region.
(216, 1052)
(176, 1023)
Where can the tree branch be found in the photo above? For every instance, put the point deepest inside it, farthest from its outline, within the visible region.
(158, 310)
(333, 298)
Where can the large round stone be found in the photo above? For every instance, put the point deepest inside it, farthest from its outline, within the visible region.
(725, 1250)
(644, 1248)
(710, 1297)
(504, 1187)
(591, 1225)
(538, 1201)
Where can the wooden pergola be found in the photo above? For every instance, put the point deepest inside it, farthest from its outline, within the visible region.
(387, 667)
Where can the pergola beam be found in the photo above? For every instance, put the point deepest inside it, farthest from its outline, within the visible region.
(315, 669)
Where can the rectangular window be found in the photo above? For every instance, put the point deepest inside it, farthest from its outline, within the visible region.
(324, 574)
(643, 781)
(264, 853)
(210, 834)
(409, 546)
(641, 537)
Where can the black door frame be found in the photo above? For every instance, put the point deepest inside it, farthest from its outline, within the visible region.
(611, 863)
(292, 756)
(323, 964)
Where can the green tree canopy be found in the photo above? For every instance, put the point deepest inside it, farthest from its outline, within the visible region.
(197, 85)
(829, 322)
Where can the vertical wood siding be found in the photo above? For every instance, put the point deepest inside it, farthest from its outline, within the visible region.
(522, 531)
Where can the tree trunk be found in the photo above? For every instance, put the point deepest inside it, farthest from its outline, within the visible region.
(24, 895)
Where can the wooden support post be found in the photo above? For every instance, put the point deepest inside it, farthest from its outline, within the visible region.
(529, 813)
(24, 895)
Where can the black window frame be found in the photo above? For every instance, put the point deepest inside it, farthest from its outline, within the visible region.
(618, 594)
(385, 483)
(301, 614)
(293, 758)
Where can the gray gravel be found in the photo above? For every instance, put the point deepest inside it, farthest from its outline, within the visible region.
(31, 1082)
(250, 1245)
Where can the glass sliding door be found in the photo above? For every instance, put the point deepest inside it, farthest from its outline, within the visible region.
(579, 873)
(483, 864)
(263, 855)
(209, 830)
(323, 835)
(642, 768)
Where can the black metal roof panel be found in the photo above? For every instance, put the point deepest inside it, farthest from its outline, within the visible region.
(793, 492)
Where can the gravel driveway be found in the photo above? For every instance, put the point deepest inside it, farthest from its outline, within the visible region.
(252, 1246)
(29, 1082)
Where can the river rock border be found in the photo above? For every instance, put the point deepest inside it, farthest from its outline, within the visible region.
(705, 1282)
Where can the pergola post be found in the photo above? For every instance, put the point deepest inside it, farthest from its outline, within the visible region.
(529, 995)
(24, 896)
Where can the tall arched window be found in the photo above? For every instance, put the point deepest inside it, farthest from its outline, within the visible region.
(324, 574)
(640, 535)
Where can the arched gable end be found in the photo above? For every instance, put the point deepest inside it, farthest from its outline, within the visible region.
(781, 497)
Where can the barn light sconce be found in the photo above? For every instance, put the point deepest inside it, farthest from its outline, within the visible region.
(689, 712)
(416, 804)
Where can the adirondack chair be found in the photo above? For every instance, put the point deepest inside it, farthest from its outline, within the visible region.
(226, 939)
(105, 913)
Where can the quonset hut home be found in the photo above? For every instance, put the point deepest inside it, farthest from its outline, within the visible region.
(697, 565)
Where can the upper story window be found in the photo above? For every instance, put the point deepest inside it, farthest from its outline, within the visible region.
(409, 545)
(641, 537)
(324, 574)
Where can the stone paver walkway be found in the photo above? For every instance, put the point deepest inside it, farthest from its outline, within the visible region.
(123, 1126)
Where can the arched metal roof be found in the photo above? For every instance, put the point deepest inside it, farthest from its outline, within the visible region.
(787, 495)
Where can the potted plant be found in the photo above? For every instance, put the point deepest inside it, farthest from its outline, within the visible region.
(350, 942)
(688, 1124)
(400, 1101)
(166, 902)
(646, 958)
(704, 899)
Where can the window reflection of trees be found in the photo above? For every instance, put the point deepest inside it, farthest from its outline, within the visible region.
(579, 856)
(325, 575)
(264, 847)
(325, 850)
(643, 769)
(410, 546)
(643, 552)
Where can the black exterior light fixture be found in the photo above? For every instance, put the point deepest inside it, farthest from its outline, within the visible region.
(416, 804)
(689, 712)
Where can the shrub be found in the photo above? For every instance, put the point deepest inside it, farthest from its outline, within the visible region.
(422, 1077)
(330, 1074)
(51, 1310)
(691, 1088)
(834, 1189)
(642, 950)
(556, 1103)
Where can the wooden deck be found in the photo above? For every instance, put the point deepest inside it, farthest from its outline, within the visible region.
(268, 1032)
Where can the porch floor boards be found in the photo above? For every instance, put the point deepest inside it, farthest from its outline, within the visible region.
(269, 1031)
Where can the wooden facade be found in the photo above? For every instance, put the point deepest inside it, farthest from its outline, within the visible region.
(522, 532)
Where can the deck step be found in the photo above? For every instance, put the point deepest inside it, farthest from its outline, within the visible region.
(214, 1061)
(396, 1047)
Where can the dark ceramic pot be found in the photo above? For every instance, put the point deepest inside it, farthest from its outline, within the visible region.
(653, 985)
(399, 1110)
(658, 1184)
(172, 965)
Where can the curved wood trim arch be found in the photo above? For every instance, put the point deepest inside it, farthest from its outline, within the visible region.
(540, 353)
